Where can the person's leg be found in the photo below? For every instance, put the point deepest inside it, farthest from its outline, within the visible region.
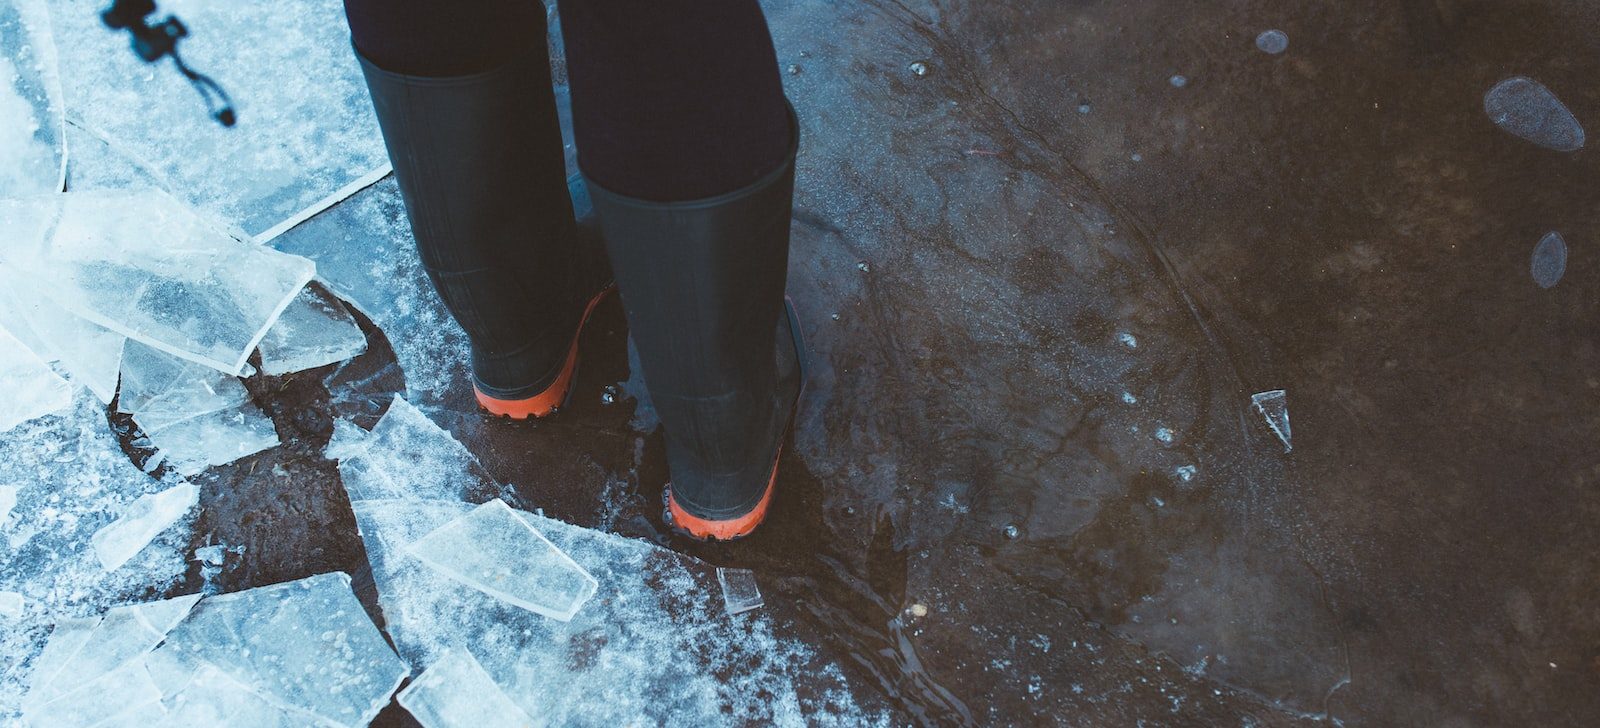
(687, 144)
(463, 96)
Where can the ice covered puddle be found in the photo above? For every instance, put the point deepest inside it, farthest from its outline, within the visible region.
(1525, 108)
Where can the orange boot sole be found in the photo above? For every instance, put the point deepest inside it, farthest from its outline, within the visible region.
(702, 529)
(554, 396)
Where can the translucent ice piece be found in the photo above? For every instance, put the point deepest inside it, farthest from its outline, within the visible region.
(141, 522)
(495, 551)
(96, 701)
(124, 633)
(456, 692)
(1525, 108)
(304, 645)
(296, 144)
(1549, 260)
(32, 126)
(212, 699)
(140, 264)
(217, 438)
(313, 331)
(159, 389)
(1274, 406)
(31, 388)
(8, 500)
(408, 456)
(90, 353)
(739, 590)
(10, 605)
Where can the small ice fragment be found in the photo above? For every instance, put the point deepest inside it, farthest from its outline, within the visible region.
(10, 605)
(8, 500)
(307, 645)
(1549, 260)
(1525, 108)
(141, 522)
(1272, 41)
(1128, 340)
(405, 456)
(1128, 398)
(315, 330)
(456, 692)
(31, 388)
(210, 555)
(493, 550)
(919, 68)
(1164, 435)
(1186, 473)
(1012, 531)
(1274, 406)
(159, 389)
(218, 438)
(739, 591)
(918, 610)
(1178, 81)
(609, 395)
(1084, 108)
(864, 267)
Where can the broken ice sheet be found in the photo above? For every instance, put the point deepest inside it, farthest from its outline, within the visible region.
(124, 633)
(90, 353)
(456, 692)
(140, 522)
(1274, 407)
(93, 702)
(31, 388)
(213, 699)
(215, 438)
(32, 125)
(145, 266)
(739, 591)
(315, 330)
(493, 550)
(1525, 108)
(306, 644)
(295, 143)
(405, 456)
(159, 389)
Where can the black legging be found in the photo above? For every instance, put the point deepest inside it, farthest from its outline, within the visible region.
(671, 99)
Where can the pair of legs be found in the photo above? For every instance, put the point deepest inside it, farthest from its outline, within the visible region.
(686, 146)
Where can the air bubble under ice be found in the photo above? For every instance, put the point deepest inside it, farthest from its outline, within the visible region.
(1549, 261)
(1525, 108)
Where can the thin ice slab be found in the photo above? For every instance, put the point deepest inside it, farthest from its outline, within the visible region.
(1274, 408)
(456, 692)
(405, 456)
(160, 390)
(216, 438)
(141, 522)
(495, 551)
(84, 649)
(1524, 108)
(32, 126)
(89, 353)
(305, 645)
(145, 266)
(315, 330)
(31, 388)
(739, 591)
(212, 699)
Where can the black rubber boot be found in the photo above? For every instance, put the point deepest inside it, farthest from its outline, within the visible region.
(481, 168)
(702, 283)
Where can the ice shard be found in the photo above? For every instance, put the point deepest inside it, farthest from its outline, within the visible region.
(456, 692)
(123, 634)
(1549, 260)
(31, 388)
(88, 352)
(32, 123)
(298, 144)
(213, 699)
(1525, 108)
(215, 438)
(406, 456)
(739, 591)
(315, 330)
(140, 264)
(140, 522)
(305, 645)
(1274, 408)
(493, 550)
(160, 390)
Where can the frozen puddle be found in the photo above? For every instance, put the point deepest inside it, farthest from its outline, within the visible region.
(1525, 108)
(651, 646)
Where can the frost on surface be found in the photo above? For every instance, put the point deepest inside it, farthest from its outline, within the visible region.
(456, 692)
(1549, 260)
(31, 388)
(305, 645)
(82, 650)
(32, 126)
(295, 144)
(495, 551)
(141, 522)
(1525, 108)
(142, 265)
(739, 591)
(315, 330)
(1274, 408)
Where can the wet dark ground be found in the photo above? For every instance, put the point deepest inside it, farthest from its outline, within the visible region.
(1340, 221)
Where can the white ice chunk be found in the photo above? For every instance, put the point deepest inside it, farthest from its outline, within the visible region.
(1525, 108)
(1274, 407)
(96, 701)
(10, 605)
(306, 645)
(305, 132)
(456, 692)
(8, 500)
(122, 634)
(315, 330)
(144, 266)
(406, 456)
(160, 390)
(217, 438)
(1549, 260)
(739, 590)
(495, 551)
(32, 126)
(141, 522)
(31, 388)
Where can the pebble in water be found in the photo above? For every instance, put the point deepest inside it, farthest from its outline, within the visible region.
(919, 68)
(1273, 41)
(1525, 108)
(1549, 260)
(1178, 81)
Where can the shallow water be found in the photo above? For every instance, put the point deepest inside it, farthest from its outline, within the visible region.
(1040, 283)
